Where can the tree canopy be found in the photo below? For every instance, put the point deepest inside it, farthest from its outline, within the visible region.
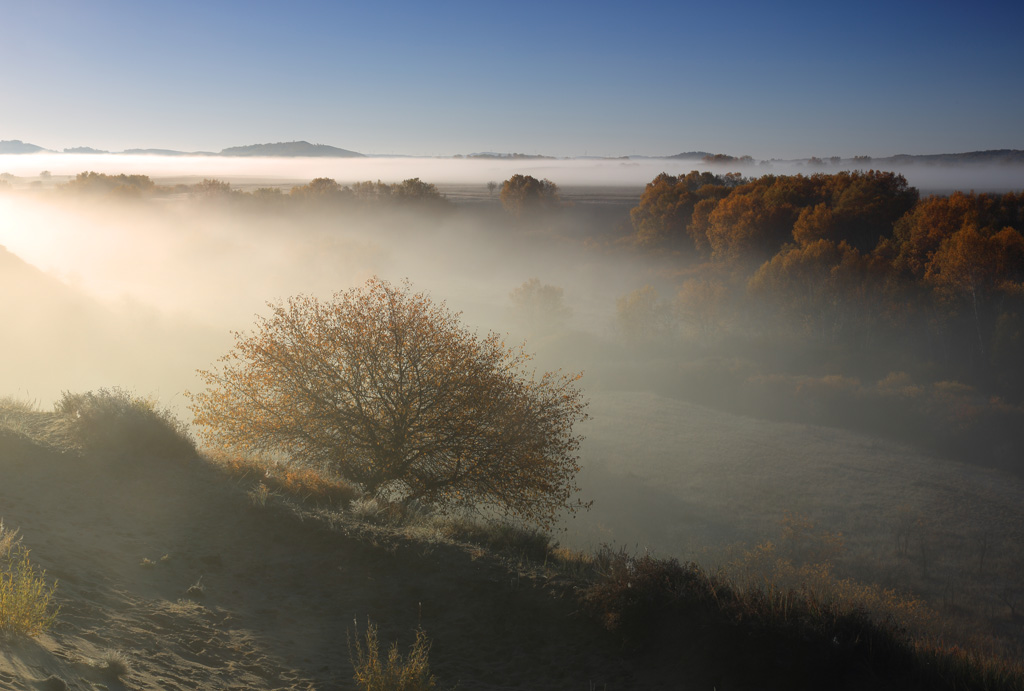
(390, 391)
(522, 195)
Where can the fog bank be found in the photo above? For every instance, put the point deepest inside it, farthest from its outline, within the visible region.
(635, 171)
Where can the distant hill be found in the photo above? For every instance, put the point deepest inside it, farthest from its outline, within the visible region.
(84, 150)
(1002, 156)
(302, 148)
(161, 152)
(489, 154)
(16, 146)
(697, 155)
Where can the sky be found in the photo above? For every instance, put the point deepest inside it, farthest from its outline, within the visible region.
(765, 79)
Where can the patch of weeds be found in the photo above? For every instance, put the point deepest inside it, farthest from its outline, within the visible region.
(393, 672)
(25, 598)
(525, 542)
(304, 484)
(365, 508)
(8, 538)
(117, 422)
(197, 589)
(258, 495)
(10, 404)
(116, 663)
(571, 562)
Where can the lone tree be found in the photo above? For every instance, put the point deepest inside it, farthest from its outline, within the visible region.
(389, 390)
(523, 195)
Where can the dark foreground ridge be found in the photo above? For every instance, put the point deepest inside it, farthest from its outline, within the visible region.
(175, 572)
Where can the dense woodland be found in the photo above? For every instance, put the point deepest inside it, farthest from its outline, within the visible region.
(906, 306)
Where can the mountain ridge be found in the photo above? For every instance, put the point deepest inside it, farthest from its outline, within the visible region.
(302, 148)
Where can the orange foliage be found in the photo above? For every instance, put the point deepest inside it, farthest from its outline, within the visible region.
(389, 391)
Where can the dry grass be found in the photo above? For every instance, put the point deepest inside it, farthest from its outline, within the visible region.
(116, 663)
(119, 423)
(393, 672)
(833, 632)
(522, 541)
(25, 597)
(303, 484)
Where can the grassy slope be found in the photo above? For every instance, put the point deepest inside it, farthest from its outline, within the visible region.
(686, 481)
(276, 590)
(280, 590)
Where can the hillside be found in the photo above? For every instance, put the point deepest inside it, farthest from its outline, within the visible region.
(170, 563)
(301, 148)
(172, 573)
(16, 146)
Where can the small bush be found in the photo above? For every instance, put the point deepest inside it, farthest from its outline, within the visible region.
(115, 663)
(639, 596)
(24, 595)
(572, 563)
(304, 484)
(525, 541)
(116, 422)
(393, 673)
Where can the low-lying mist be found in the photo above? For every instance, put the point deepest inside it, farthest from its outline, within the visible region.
(174, 277)
(703, 437)
(632, 171)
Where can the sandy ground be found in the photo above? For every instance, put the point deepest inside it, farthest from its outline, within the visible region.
(275, 595)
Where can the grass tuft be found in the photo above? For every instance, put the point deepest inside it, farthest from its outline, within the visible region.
(115, 663)
(393, 672)
(116, 422)
(25, 598)
(526, 542)
(303, 484)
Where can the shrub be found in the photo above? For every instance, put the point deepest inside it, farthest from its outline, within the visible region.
(304, 484)
(390, 391)
(117, 422)
(525, 541)
(525, 195)
(393, 673)
(639, 596)
(25, 597)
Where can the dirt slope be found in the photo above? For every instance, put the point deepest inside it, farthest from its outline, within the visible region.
(237, 597)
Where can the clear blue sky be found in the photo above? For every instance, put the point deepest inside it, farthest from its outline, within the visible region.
(768, 79)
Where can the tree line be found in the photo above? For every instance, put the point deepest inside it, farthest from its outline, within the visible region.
(854, 258)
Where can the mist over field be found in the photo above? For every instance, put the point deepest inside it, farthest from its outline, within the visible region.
(708, 432)
(634, 171)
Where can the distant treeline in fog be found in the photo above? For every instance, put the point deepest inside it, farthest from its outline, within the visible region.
(844, 299)
(317, 191)
(849, 277)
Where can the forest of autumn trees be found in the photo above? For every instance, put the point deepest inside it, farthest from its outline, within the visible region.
(858, 259)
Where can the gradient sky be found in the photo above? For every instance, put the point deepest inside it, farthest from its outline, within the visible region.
(766, 79)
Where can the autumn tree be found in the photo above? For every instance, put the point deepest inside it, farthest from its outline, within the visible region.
(539, 307)
(642, 317)
(523, 195)
(91, 182)
(212, 189)
(970, 265)
(666, 208)
(320, 191)
(824, 286)
(701, 304)
(415, 191)
(390, 391)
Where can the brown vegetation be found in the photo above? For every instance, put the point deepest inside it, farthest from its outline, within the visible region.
(390, 391)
